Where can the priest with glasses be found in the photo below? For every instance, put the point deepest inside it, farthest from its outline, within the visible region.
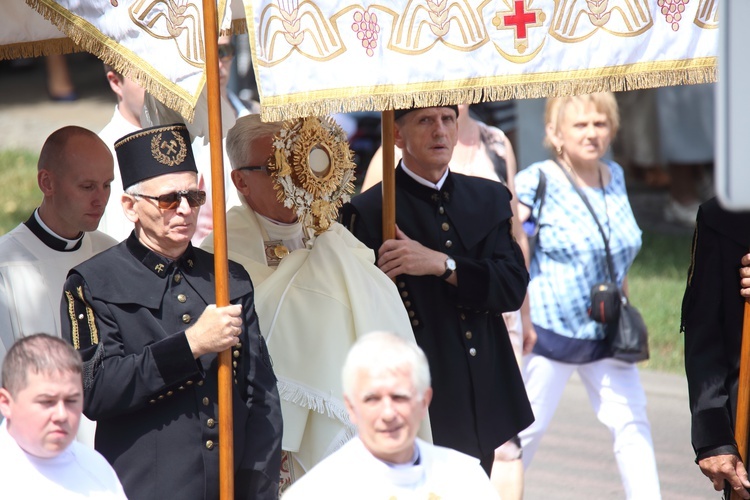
(143, 317)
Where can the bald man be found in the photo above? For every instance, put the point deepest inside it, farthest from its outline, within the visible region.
(74, 172)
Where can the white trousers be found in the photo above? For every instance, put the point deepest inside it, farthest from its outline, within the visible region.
(617, 397)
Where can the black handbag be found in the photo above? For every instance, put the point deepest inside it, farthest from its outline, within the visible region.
(627, 334)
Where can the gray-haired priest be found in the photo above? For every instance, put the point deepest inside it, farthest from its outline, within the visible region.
(143, 316)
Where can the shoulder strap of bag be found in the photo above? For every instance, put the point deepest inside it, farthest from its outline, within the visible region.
(610, 263)
(541, 189)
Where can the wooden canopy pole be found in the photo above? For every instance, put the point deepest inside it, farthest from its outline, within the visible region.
(743, 393)
(389, 175)
(221, 266)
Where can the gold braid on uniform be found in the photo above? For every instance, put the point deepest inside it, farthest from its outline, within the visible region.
(313, 170)
(74, 333)
(90, 318)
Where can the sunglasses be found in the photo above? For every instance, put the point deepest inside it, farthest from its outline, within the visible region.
(226, 51)
(171, 201)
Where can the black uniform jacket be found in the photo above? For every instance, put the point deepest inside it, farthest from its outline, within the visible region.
(712, 310)
(126, 310)
(479, 398)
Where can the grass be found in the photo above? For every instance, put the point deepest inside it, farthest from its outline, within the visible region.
(657, 283)
(21, 194)
(657, 278)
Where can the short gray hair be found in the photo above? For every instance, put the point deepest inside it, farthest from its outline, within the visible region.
(377, 352)
(246, 130)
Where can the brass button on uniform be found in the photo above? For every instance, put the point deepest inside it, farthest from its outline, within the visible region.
(182, 298)
(415, 322)
(239, 345)
(161, 396)
(210, 423)
(469, 335)
(473, 351)
(412, 314)
(234, 364)
(448, 243)
(463, 316)
(200, 382)
(186, 318)
(205, 401)
(189, 382)
(177, 278)
(210, 444)
(445, 226)
(404, 294)
(402, 284)
(407, 303)
(169, 393)
(152, 401)
(80, 316)
(441, 210)
(236, 354)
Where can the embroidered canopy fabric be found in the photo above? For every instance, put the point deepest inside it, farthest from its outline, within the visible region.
(315, 57)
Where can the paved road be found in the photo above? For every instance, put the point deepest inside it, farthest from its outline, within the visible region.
(575, 459)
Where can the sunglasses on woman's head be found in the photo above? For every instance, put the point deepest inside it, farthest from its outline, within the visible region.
(170, 201)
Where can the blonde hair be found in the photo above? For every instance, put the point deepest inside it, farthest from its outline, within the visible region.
(604, 102)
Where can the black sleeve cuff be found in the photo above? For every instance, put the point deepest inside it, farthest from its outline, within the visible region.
(174, 359)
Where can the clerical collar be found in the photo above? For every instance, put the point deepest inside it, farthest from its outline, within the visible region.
(47, 236)
(415, 460)
(436, 186)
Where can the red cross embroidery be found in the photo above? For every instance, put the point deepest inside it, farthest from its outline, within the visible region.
(520, 19)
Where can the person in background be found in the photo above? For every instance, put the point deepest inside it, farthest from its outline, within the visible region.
(125, 120)
(387, 392)
(41, 399)
(712, 319)
(568, 260)
(458, 269)
(202, 149)
(144, 317)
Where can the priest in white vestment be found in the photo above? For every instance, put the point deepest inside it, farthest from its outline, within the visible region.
(75, 171)
(314, 294)
(387, 393)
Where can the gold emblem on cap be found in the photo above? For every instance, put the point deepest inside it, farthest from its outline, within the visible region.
(169, 152)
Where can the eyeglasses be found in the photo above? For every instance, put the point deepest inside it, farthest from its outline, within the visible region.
(262, 168)
(171, 201)
(226, 50)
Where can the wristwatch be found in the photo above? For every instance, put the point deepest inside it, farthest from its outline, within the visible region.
(450, 266)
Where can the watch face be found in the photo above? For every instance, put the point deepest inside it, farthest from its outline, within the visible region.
(450, 264)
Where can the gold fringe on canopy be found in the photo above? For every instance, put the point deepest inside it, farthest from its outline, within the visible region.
(39, 48)
(619, 79)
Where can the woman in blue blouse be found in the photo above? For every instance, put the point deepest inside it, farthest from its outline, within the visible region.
(569, 258)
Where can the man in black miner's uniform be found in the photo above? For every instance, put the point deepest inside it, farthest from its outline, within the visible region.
(142, 315)
(457, 269)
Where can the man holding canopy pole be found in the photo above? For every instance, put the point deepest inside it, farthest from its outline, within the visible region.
(457, 269)
(144, 318)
